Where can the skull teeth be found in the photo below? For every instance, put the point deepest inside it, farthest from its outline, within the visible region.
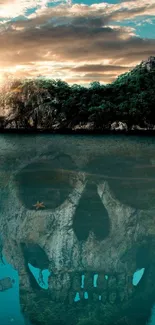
(109, 288)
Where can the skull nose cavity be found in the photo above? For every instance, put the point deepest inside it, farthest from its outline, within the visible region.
(91, 215)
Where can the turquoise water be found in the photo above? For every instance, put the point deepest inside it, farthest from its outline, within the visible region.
(10, 312)
(89, 250)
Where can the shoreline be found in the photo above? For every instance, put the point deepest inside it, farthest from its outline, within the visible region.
(78, 132)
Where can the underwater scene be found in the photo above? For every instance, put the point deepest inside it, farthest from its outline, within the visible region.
(77, 229)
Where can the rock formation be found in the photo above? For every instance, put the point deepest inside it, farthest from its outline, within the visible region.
(119, 126)
(46, 105)
(149, 63)
(71, 238)
(6, 283)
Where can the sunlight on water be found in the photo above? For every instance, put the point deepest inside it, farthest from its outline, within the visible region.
(9, 299)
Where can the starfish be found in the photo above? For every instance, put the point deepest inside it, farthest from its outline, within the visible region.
(39, 205)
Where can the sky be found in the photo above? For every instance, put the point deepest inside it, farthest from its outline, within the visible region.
(78, 41)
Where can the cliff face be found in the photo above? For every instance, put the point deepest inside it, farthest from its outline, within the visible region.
(149, 64)
(65, 236)
(126, 104)
(28, 106)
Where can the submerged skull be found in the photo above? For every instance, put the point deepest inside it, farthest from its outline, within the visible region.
(96, 220)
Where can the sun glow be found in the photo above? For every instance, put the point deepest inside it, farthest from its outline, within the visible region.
(15, 8)
(1, 78)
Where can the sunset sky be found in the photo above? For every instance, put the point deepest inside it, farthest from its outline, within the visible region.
(78, 41)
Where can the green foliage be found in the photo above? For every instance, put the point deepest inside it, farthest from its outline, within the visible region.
(130, 98)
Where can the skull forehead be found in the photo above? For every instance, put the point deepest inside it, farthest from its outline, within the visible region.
(106, 166)
(122, 172)
(66, 153)
(80, 145)
(92, 162)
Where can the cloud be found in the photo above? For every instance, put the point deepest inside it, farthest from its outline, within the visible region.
(48, 46)
(14, 8)
(100, 68)
(95, 14)
(108, 12)
(73, 42)
(145, 21)
(69, 42)
(88, 78)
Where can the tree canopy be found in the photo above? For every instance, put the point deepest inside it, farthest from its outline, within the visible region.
(130, 99)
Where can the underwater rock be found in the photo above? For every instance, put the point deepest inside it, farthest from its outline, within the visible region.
(6, 283)
(47, 239)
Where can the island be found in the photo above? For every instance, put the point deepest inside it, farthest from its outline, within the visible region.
(47, 105)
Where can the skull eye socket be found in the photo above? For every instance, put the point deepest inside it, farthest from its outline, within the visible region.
(137, 194)
(49, 181)
(137, 186)
(132, 180)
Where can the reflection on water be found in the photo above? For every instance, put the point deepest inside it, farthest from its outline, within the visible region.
(78, 227)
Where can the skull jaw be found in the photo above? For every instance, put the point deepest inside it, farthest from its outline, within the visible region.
(133, 310)
(121, 302)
